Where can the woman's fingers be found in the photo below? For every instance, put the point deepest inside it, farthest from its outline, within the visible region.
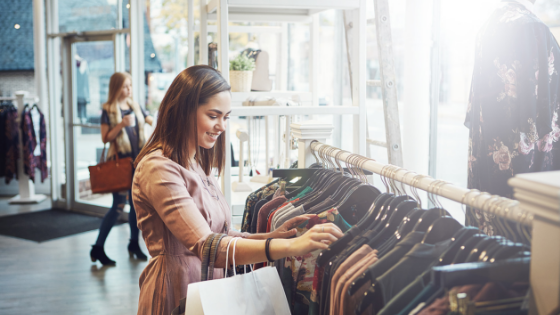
(288, 233)
(329, 228)
(319, 245)
(324, 236)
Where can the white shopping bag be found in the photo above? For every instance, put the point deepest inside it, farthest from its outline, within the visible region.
(258, 292)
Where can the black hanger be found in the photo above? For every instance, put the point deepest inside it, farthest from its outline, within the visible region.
(467, 247)
(339, 245)
(412, 214)
(428, 218)
(367, 275)
(393, 216)
(375, 212)
(396, 237)
(457, 242)
(482, 245)
(357, 203)
(320, 183)
(376, 224)
(410, 222)
(369, 231)
(442, 229)
(345, 188)
(521, 254)
(329, 191)
(508, 252)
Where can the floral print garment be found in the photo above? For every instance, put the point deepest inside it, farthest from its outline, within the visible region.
(29, 140)
(301, 277)
(252, 200)
(513, 106)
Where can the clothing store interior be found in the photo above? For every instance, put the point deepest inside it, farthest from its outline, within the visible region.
(361, 157)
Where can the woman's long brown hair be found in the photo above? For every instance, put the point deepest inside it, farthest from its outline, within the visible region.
(176, 123)
(115, 85)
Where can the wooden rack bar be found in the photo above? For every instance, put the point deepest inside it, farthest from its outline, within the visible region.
(499, 206)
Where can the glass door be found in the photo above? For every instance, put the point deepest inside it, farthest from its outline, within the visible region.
(89, 63)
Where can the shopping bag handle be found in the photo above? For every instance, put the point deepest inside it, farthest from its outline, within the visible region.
(234, 241)
(227, 255)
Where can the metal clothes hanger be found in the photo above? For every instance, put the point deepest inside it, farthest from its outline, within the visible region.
(414, 188)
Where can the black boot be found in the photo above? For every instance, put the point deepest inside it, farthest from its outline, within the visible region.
(134, 249)
(97, 253)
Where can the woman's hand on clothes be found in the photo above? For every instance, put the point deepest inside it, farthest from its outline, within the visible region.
(288, 229)
(128, 120)
(318, 237)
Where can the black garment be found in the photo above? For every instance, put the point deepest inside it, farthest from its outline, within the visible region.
(396, 254)
(387, 246)
(255, 216)
(513, 106)
(132, 132)
(402, 300)
(3, 140)
(414, 263)
(11, 146)
(330, 269)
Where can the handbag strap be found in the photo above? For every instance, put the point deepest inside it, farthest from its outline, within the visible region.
(213, 253)
(103, 159)
(206, 256)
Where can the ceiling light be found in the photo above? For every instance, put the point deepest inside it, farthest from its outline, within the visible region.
(153, 55)
(17, 26)
(128, 5)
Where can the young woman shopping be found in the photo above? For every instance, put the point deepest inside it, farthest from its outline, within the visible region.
(178, 201)
(122, 124)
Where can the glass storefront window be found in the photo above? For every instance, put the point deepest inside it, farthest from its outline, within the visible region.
(94, 65)
(80, 16)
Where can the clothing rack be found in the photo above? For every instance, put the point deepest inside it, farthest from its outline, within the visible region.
(545, 260)
(500, 206)
(26, 186)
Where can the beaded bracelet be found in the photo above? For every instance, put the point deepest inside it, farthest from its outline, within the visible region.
(267, 249)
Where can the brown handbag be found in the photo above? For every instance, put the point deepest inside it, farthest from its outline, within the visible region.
(111, 176)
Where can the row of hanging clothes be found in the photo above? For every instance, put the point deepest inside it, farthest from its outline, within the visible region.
(33, 141)
(395, 257)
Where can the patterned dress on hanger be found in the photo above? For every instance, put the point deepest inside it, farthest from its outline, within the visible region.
(513, 106)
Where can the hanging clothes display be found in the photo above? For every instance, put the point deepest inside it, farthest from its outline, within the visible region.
(33, 158)
(9, 141)
(392, 254)
(514, 104)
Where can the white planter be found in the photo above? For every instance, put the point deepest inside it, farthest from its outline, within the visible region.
(240, 81)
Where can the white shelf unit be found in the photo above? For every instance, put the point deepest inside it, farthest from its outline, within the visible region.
(304, 11)
(302, 98)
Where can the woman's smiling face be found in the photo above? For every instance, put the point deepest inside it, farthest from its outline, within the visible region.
(211, 119)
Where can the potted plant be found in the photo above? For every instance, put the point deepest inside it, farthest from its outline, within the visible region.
(241, 73)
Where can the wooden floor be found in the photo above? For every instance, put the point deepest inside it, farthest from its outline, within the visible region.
(58, 277)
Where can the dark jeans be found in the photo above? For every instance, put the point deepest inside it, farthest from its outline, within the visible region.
(119, 201)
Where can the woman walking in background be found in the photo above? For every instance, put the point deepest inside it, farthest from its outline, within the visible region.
(122, 124)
